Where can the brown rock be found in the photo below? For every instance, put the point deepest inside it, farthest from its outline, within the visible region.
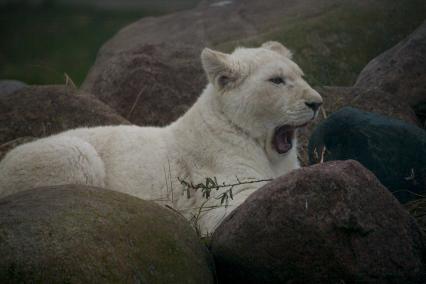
(328, 223)
(147, 85)
(39, 111)
(400, 71)
(79, 234)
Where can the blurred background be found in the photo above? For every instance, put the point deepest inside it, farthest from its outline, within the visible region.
(43, 39)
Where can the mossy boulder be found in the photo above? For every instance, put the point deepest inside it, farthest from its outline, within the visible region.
(79, 234)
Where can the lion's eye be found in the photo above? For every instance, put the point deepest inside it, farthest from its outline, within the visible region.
(277, 80)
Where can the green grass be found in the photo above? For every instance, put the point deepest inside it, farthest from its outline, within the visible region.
(41, 43)
(333, 47)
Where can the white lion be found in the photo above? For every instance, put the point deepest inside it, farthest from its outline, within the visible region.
(242, 128)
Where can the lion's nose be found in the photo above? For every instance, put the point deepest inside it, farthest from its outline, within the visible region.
(313, 105)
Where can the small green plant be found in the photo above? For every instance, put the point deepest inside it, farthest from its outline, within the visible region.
(206, 188)
(212, 184)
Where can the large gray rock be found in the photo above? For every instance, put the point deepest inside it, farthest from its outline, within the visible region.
(401, 70)
(393, 150)
(79, 234)
(39, 111)
(328, 223)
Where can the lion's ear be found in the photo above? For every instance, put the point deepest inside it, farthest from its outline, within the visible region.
(278, 48)
(218, 68)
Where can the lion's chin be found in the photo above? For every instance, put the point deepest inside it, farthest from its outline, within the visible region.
(283, 137)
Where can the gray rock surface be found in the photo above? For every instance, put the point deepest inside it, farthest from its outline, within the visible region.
(79, 234)
(393, 150)
(11, 86)
(328, 223)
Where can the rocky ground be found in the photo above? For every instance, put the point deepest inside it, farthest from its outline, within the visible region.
(332, 221)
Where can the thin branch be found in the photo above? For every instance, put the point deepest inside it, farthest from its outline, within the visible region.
(69, 82)
(203, 186)
(211, 183)
(132, 109)
(324, 149)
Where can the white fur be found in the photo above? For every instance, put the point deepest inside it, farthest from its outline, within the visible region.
(226, 134)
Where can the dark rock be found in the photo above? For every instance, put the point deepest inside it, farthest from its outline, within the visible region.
(400, 71)
(373, 100)
(39, 111)
(417, 209)
(420, 110)
(393, 150)
(11, 86)
(79, 234)
(328, 223)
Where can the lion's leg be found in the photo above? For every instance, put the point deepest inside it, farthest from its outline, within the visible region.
(51, 161)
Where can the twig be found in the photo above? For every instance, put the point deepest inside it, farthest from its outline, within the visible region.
(170, 179)
(324, 114)
(200, 185)
(211, 183)
(323, 154)
(412, 175)
(171, 208)
(129, 115)
(411, 192)
(69, 82)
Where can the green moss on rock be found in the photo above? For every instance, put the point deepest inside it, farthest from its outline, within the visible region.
(70, 234)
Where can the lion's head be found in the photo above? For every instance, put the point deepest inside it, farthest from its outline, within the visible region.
(262, 91)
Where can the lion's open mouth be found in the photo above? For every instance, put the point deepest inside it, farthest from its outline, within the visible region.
(283, 138)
